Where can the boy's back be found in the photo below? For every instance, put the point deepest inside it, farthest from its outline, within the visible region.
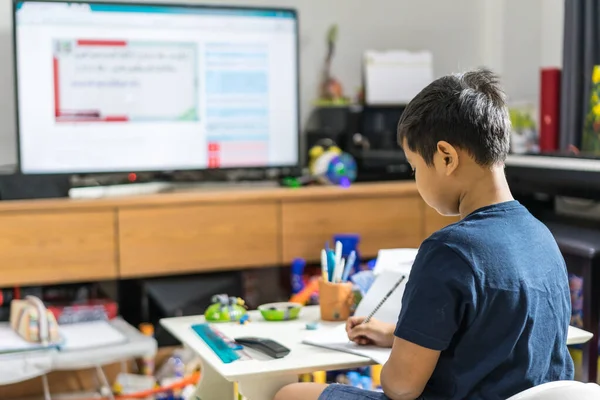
(498, 280)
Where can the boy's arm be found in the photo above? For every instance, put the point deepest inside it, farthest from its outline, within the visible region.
(408, 369)
(438, 294)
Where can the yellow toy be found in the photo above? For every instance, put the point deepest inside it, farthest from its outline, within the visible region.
(321, 148)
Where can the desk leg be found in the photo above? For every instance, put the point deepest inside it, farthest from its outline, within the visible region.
(265, 388)
(213, 386)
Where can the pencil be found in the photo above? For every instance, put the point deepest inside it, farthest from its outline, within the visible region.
(387, 296)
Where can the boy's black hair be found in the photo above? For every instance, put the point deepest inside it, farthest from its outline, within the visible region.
(467, 110)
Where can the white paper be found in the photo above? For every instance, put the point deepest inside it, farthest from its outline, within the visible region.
(86, 335)
(337, 339)
(395, 77)
(400, 260)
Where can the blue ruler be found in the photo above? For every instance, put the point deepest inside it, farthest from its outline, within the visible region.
(215, 341)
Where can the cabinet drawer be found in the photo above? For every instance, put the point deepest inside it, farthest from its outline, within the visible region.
(189, 239)
(387, 222)
(56, 247)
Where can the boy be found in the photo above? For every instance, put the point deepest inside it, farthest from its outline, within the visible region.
(486, 310)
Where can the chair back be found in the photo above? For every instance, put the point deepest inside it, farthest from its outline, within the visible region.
(561, 390)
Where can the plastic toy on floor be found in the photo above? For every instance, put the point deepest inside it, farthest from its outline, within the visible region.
(225, 309)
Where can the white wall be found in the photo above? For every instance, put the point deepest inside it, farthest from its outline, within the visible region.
(8, 143)
(553, 14)
(450, 29)
(532, 38)
(522, 49)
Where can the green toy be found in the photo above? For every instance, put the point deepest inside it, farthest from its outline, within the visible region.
(225, 309)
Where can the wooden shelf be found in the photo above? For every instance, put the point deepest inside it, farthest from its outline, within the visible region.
(382, 222)
(41, 247)
(63, 240)
(554, 176)
(203, 237)
(213, 195)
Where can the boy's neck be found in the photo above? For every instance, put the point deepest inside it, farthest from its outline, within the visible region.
(490, 187)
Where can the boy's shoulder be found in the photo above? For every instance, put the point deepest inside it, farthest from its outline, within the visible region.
(506, 235)
(490, 222)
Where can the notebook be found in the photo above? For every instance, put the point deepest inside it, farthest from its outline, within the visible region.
(335, 337)
(400, 260)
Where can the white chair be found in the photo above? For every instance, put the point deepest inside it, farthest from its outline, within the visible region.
(561, 390)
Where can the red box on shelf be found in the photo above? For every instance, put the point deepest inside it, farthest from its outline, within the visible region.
(91, 310)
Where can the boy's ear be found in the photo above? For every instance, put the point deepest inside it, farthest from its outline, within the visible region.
(448, 157)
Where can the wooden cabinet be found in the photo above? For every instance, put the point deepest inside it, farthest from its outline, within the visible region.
(56, 247)
(62, 240)
(382, 222)
(207, 237)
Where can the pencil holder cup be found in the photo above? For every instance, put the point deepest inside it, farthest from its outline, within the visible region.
(335, 300)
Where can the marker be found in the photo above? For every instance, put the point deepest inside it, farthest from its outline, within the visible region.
(324, 270)
(339, 269)
(338, 254)
(349, 265)
(330, 264)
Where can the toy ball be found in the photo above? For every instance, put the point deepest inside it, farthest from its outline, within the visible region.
(341, 170)
(335, 168)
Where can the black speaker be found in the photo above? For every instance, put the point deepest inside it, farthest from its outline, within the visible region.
(21, 187)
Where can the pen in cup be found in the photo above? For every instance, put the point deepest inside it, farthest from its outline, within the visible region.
(330, 264)
(349, 265)
(338, 254)
(324, 269)
(339, 269)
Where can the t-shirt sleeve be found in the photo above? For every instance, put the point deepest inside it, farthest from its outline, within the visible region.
(440, 290)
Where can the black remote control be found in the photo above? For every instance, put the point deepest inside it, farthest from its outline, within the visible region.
(266, 346)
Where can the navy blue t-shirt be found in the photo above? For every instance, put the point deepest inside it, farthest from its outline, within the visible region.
(491, 293)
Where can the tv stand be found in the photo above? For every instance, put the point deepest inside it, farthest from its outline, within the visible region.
(147, 188)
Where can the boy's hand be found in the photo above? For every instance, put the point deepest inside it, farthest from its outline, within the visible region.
(373, 332)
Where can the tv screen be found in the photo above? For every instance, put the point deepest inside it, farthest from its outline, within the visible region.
(116, 87)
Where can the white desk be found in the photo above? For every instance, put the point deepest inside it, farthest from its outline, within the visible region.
(261, 377)
(578, 336)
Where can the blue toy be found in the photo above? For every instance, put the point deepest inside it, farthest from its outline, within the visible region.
(311, 326)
